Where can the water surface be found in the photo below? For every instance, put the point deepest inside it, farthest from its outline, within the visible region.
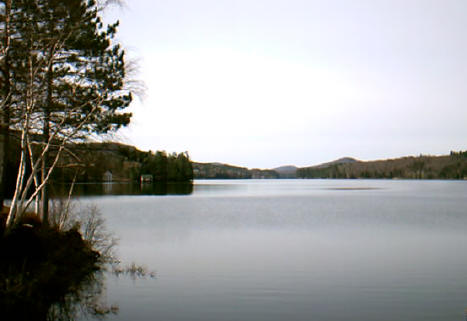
(293, 250)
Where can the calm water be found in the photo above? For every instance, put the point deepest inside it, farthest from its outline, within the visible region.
(254, 250)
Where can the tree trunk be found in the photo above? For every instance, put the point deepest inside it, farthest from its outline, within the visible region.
(5, 114)
(45, 161)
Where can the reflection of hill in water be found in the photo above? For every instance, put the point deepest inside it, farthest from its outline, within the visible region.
(98, 189)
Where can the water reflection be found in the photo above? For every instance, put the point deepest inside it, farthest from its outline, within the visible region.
(98, 189)
(87, 301)
(80, 297)
(25, 296)
(295, 250)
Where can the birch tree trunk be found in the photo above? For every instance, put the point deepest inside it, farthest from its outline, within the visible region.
(69, 82)
(5, 108)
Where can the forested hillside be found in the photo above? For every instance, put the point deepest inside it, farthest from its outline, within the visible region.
(224, 171)
(453, 166)
(96, 162)
(89, 162)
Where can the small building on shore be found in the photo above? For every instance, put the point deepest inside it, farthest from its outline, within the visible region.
(107, 176)
(146, 178)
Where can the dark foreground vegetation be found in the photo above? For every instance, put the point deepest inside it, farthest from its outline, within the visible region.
(44, 270)
(55, 271)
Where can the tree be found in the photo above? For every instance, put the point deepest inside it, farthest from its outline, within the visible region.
(161, 163)
(5, 92)
(418, 166)
(70, 77)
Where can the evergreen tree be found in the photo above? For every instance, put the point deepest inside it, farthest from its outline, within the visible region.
(161, 163)
(69, 79)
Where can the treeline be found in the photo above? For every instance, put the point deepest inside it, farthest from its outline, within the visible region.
(453, 166)
(117, 162)
(172, 168)
(224, 171)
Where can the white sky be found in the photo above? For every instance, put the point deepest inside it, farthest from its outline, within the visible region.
(264, 83)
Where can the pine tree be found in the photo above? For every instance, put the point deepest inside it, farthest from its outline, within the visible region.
(70, 77)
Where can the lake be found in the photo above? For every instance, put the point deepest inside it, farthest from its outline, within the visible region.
(255, 250)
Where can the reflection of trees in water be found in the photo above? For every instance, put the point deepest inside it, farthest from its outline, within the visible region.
(54, 272)
(45, 291)
(57, 272)
(83, 298)
(24, 297)
(87, 301)
(97, 189)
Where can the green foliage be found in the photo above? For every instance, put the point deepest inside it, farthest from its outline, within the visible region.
(46, 60)
(160, 167)
(172, 168)
(459, 154)
(78, 71)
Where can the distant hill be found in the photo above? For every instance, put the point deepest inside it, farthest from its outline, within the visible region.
(225, 171)
(126, 163)
(287, 171)
(344, 160)
(453, 166)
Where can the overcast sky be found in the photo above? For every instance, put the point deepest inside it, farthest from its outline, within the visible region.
(264, 83)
